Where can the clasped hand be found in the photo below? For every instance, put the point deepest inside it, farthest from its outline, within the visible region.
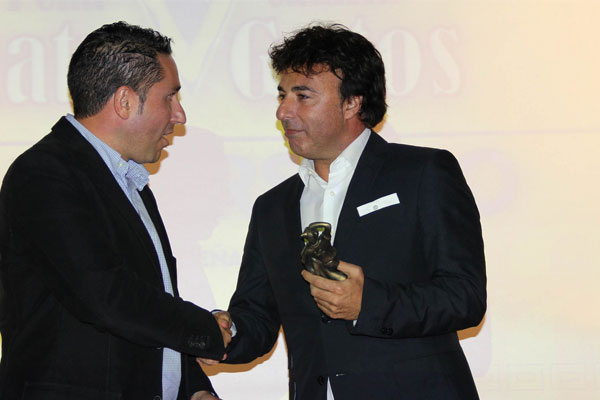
(224, 320)
(338, 299)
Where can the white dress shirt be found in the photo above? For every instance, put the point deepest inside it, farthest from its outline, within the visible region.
(322, 200)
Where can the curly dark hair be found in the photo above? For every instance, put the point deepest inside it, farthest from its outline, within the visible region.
(114, 55)
(349, 55)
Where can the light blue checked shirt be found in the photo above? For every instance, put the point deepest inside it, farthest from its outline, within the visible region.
(132, 177)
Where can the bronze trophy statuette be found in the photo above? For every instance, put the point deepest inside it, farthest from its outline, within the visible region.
(318, 255)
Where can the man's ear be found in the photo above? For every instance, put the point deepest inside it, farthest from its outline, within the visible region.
(352, 106)
(124, 101)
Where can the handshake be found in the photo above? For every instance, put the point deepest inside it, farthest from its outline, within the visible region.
(224, 320)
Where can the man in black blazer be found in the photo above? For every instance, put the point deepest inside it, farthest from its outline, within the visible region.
(405, 226)
(89, 308)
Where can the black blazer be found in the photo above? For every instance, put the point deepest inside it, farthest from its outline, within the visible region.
(83, 311)
(424, 279)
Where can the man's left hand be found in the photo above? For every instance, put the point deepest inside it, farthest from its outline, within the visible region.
(338, 299)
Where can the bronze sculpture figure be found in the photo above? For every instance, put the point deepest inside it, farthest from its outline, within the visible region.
(318, 255)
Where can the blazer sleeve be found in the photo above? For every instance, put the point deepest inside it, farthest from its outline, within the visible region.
(454, 296)
(55, 212)
(195, 379)
(253, 307)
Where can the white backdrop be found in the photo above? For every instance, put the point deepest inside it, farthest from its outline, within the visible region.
(510, 87)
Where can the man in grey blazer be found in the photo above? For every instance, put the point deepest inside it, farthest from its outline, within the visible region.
(405, 226)
(89, 308)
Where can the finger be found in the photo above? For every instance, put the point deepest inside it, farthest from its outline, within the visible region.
(323, 283)
(226, 324)
(224, 315)
(321, 295)
(226, 341)
(206, 361)
(226, 333)
(349, 269)
(308, 277)
(327, 310)
(314, 279)
(324, 303)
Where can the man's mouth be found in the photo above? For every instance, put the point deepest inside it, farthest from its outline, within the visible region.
(291, 131)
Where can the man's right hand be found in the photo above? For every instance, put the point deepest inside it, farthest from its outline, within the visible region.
(224, 320)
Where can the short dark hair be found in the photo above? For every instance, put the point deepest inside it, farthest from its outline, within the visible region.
(349, 55)
(114, 55)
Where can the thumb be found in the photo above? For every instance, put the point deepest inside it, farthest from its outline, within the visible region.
(349, 269)
(225, 324)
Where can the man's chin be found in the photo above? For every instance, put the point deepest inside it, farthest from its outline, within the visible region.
(155, 158)
(297, 150)
(161, 155)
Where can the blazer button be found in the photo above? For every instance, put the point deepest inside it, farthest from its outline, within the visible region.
(198, 342)
(321, 380)
(156, 398)
(387, 331)
(325, 319)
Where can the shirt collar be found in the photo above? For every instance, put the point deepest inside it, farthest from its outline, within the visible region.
(345, 162)
(134, 172)
(137, 174)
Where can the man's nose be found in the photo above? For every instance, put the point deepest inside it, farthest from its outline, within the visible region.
(285, 110)
(178, 115)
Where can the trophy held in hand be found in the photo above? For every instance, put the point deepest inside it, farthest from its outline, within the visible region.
(318, 255)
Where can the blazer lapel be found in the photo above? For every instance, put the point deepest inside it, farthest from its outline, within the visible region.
(294, 228)
(152, 209)
(100, 175)
(359, 190)
(291, 219)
